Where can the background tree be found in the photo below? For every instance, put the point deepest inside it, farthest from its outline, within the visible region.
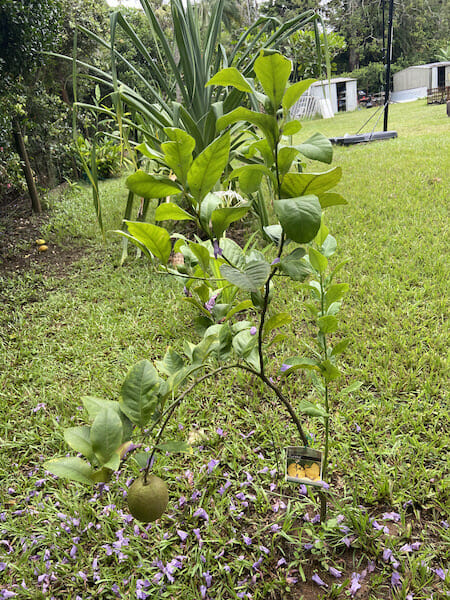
(26, 30)
(420, 28)
(286, 9)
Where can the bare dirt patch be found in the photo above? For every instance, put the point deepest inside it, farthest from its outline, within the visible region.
(19, 230)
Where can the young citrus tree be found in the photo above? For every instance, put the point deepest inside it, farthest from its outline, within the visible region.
(231, 286)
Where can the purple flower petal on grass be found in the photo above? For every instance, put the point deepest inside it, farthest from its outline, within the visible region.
(284, 367)
(275, 261)
(182, 535)
(212, 465)
(253, 330)
(318, 580)
(247, 540)
(391, 516)
(387, 553)
(335, 572)
(355, 585)
(440, 573)
(202, 514)
(198, 536)
(395, 579)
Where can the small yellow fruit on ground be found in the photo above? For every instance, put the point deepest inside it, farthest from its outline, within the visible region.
(43, 248)
(40, 242)
(147, 501)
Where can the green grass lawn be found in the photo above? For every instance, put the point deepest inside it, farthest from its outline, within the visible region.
(234, 527)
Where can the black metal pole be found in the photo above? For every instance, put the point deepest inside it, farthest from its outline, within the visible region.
(387, 89)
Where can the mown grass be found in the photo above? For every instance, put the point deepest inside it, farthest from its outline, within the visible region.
(387, 531)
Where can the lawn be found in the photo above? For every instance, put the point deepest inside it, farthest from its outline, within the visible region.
(72, 324)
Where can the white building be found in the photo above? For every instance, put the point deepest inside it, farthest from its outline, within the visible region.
(340, 91)
(413, 82)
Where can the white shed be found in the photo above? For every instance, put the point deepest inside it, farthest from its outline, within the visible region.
(340, 91)
(413, 82)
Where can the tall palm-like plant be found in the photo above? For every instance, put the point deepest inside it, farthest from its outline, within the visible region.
(177, 94)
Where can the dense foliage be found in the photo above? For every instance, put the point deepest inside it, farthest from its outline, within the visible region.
(420, 28)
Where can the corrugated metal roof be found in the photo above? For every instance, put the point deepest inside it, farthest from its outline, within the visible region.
(335, 80)
(428, 66)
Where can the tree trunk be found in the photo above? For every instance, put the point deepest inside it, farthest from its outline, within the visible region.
(353, 59)
(22, 151)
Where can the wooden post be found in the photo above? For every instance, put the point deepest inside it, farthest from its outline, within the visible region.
(22, 151)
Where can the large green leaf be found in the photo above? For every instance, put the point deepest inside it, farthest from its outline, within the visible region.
(291, 128)
(335, 293)
(245, 346)
(339, 348)
(201, 253)
(221, 218)
(274, 232)
(70, 467)
(243, 305)
(299, 217)
(311, 410)
(139, 397)
(155, 239)
(178, 152)
(250, 177)
(251, 278)
(106, 434)
(294, 266)
(293, 93)
(329, 371)
(79, 440)
(327, 324)
(273, 72)
(286, 156)
(301, 184)
(331, 199)
(210, 202)
(151, 186)
(94, 405)
(244, 342)
(317, 147)
(149, 152)
(207, 168)
(266, 123)
(318, 261)
(230, 76)
(276, 321)
(169, 211)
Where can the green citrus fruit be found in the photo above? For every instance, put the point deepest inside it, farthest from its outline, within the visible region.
(147, 501)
